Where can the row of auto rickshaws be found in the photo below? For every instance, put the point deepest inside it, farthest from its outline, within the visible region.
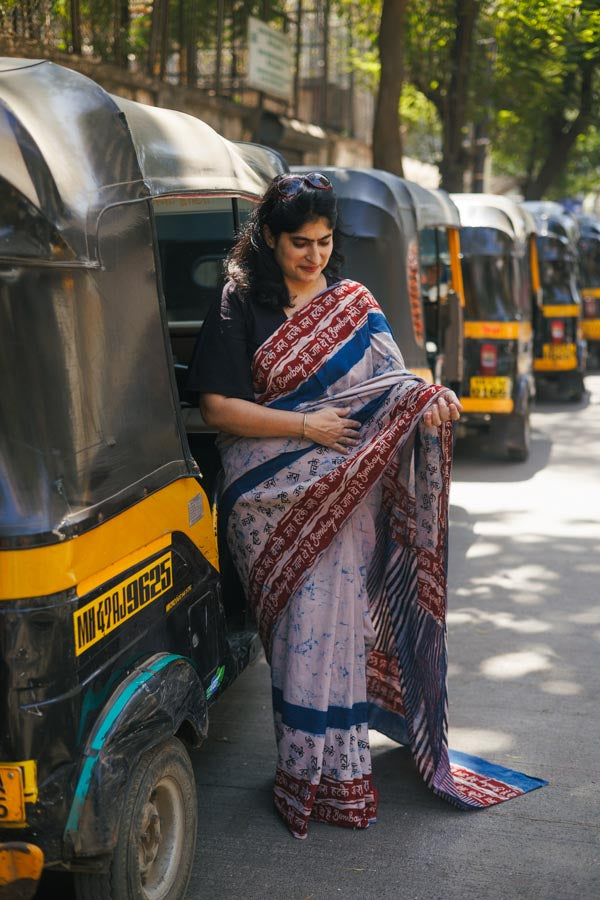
(121, 620)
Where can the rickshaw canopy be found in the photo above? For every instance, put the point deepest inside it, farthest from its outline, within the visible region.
(498, 212)
(554, 222)
(71, 150)
(89, 402)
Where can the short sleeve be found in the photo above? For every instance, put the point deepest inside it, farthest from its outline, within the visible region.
(221, 363)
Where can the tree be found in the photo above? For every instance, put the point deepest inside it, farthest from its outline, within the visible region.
(548, 89)
(387, 139)
(440, 50)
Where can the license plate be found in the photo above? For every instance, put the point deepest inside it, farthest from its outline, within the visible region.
(12, 800)
(559, 352)
(490, 387)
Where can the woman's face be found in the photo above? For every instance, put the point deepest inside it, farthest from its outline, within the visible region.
(302, 255)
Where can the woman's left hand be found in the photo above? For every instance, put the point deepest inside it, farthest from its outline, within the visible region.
(446, 408)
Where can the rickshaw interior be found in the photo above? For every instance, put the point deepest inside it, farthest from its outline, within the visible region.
(489, 274)
(497, 264)
(560, 351)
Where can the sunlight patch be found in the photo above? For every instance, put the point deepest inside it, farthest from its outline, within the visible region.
(516, 665)
(479, 740)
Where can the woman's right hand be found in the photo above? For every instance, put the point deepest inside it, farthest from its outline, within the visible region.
(331, 428)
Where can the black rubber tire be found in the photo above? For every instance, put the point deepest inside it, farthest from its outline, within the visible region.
(518, 444)
(511, 436)
(160, 816)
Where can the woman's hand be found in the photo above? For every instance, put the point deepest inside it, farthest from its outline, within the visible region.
(331, 428)
(446, 408)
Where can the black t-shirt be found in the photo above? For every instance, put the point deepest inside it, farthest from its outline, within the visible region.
(232, 332)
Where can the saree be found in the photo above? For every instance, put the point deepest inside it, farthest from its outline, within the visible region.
(344, 561)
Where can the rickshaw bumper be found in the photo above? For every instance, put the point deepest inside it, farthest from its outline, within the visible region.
(20, 870)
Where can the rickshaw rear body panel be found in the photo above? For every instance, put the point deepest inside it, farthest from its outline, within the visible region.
(560, 350)
(498, 383)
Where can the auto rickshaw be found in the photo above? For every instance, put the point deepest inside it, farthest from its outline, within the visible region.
(401, 241)
(115, 638)
(589, 277)
(560, 351)
(501, 283)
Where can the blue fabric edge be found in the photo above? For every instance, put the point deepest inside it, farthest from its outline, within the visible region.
(515, 779)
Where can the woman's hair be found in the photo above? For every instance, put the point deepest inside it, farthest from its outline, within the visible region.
(251, 264)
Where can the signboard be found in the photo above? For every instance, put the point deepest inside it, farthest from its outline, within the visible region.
(269, 60)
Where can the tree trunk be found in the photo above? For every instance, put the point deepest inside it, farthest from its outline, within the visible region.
(121, 32)
(387, 139)
(75, 27)
(455, 158)
(192, 41)
(158, 37)
(563, 140)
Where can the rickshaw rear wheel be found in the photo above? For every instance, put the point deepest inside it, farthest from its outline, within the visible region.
(155, 848)
(518, 440)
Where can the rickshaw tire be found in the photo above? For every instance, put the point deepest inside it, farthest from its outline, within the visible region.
(167, 764)
(518, 450)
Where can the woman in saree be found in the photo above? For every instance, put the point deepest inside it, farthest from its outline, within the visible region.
(335, 502)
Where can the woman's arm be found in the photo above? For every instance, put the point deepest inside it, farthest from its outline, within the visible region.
(329, 426)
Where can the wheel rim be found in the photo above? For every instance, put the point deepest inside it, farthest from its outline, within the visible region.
(162, 834)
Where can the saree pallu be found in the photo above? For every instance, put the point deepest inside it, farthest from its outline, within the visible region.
(343, 558)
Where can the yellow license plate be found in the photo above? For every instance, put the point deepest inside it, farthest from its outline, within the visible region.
(490, 387)
(560, 352)
(12, 799)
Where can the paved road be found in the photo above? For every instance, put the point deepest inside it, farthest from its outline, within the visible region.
(524, 630)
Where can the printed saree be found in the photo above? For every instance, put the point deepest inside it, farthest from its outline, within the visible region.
(343, 558)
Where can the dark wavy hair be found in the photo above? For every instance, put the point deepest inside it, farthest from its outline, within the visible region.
(251, 264)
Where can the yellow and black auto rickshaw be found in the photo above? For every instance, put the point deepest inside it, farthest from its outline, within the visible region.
(589, 278)
(501, 283)
(115, 637)
(401, 241)
(560, 350)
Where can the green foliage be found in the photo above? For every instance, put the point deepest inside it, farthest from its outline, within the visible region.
(544, 50)
(420, 125)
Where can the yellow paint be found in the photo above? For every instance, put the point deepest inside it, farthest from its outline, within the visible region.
(106, 613)
(500, 331)
(591, 329)
(487, 404)
(556, 358)
(534, 264)
(39, 571)
(122, 564)
(561, 311)
(488, 387)
(12, 795)
(23, 863)
(591, 293)
(455, 266)
(22, 788)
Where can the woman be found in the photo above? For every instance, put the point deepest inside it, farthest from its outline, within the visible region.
(337, 466)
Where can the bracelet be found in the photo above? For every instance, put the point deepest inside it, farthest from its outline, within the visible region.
(304, 426)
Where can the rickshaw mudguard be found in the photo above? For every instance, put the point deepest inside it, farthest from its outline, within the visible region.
(523, 393)
(149, 706)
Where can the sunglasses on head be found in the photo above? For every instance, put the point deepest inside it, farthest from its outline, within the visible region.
(290, 185)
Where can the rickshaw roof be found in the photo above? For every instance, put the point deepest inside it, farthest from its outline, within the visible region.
(390, 193)
(589, 226)
(71, 149)
(554, 221)
(493, 211)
